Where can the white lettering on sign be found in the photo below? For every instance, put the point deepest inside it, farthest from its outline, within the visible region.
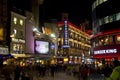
(65, 33)
(4, 50)
(105, 51)
(14, 40)
(18, 40)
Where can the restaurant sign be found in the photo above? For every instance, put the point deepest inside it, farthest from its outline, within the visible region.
(105, 51)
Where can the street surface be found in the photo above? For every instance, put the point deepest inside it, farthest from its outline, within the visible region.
(62, 76)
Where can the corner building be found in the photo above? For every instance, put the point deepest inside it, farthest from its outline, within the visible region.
(72, 42)
(106, 28)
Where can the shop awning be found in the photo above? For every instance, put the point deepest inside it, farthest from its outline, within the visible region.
(21, 55)
(6, 56)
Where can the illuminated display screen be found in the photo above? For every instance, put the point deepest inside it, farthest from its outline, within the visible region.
(41, 47)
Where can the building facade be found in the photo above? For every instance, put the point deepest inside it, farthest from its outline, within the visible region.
(72, 42)
(105, 24)
(17, 33)
(4, 49)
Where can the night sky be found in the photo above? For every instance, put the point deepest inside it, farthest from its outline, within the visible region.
(78, 10)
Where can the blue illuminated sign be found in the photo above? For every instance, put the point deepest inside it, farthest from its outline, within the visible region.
(65, 28)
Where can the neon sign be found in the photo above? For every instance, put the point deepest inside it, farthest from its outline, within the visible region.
(65, 33)
(105, 51)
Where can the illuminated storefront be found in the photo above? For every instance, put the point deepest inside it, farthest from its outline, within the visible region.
(106, 45)
(106, 31)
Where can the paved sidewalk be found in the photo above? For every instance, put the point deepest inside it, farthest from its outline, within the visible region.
(58, 76)
(97, 77)
(62, 76)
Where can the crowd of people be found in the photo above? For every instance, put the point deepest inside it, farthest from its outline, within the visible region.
(81, 72)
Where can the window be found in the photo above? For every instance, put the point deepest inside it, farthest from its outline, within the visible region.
(111, 18)
(104, 0)
(118, 16)
(15, 20)
(1, 34)
(15, 31)
(21, 22)
(118, 39)
(21, 35)
(106, 19)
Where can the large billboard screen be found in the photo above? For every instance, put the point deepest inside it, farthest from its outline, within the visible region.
(41, 47)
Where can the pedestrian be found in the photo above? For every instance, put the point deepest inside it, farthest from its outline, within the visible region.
(17, 73)
(107, 70)
(52, 70)
(24, 76)
(6, 71)
(85, 73)
(115, 75)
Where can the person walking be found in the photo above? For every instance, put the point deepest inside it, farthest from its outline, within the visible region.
(115, 75)
(52, 70)
(85, 73)
(17, 73)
